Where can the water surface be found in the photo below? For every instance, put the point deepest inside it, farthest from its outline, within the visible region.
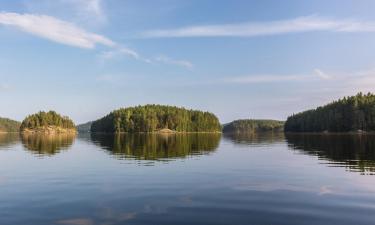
(187, 179)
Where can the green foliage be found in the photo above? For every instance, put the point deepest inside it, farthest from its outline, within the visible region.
(43, 119)
(8, 125)
(252, 126)
(347, 114)
(150, 118)
(84, 128)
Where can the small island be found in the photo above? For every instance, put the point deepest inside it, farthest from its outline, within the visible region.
(253, 126)
(349, 114)
(9, 126)
(156, 118)
(47, 123)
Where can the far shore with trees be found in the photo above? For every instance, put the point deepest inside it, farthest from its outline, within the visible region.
(349, 114)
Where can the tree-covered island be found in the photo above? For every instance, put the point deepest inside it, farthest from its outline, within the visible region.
(253, 126)
(349, 114)
(156, 118)
(47, 123)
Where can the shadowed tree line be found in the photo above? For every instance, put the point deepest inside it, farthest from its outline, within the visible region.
(150, 118)
(348, 114)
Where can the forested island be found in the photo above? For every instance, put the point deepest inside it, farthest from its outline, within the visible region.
(47, 123)
(349, 114)
(8, 125)
(156, 118)
(252, 126)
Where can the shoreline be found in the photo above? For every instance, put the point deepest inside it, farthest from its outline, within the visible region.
(49, 130)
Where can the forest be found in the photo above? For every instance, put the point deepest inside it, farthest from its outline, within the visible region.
(252, 126)
(353, 113)
(152, 118)
(8, 125)
(44, 119)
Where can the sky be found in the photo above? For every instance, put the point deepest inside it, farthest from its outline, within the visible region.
(237, 59)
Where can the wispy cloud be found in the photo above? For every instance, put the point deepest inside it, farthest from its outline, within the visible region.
(87, 11)
(121, 51)
(167, 60)
(322, 75)
(87, 8)
(264, 78)
(55, 30)
(332, 83)
(251, 29)
(67, 33)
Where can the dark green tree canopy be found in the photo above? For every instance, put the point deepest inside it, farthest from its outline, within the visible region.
(252, 126)
(347, 114)
(43, 119)
(8, 125)
(150, 118)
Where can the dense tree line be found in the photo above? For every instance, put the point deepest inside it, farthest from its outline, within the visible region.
(150, 118)
(252, 126)
(348, 114)
(43, 119)
(8, 125)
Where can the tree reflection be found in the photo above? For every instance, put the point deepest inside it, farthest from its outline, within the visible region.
(355, 152)
(48, 145)
(157, 146)
(255, 138)
(8, 139)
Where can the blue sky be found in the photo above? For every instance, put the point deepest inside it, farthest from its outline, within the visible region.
(238, 59)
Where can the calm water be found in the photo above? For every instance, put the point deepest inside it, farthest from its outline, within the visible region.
(266, 179)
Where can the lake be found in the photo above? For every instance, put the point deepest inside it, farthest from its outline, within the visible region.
(264, 179)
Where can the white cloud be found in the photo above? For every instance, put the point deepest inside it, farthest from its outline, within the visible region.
(54, 29)
(167, 60)
(322, 75)
(67, 33)
(251, 29)
(119, 52)
(64, 32)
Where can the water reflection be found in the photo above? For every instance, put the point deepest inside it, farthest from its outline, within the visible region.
(47, 145)
(8, 139)
(157, 146)
(355, 152)
(262, 138)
